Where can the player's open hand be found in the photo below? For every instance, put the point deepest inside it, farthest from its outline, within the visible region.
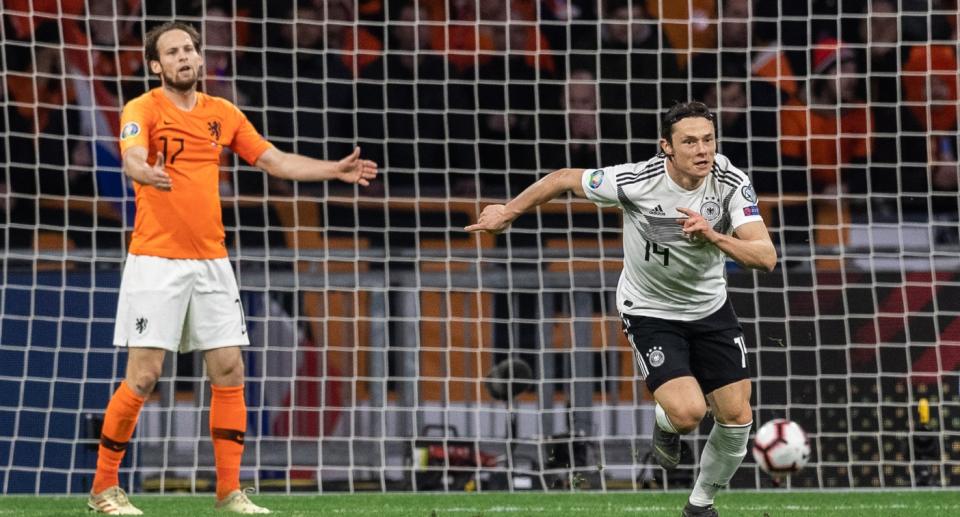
(158, 177)
(695, 227)
(493, 219)
(353, 169)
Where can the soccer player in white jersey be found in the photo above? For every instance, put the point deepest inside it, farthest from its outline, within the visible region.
(686, 211)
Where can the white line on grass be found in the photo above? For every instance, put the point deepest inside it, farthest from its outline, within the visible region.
(954, 509)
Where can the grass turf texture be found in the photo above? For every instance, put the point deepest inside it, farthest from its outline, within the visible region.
(865, 503)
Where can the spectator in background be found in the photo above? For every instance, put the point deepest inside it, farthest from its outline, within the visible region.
(732, 64)
(749, 53)
(831, 130)
(730, 101)
(529, 64)
(731, 59)
(466, 46)
(686, 25)
(930, 86)
(311, 90)
(105, 63)
(945, 166)
(636, 67)
(930, 92)
(95, 58)
(115, 45)
(220, 50)
(90, 224)
(773, 83)
(37, 125)
(879, 30)
(829, 137)
(582, 116)
(944, 170)
(770, 62)
(415, 104)
(529, 48)
(317, 112)
(360, 50)
(409, 53)
(357, 46)
(510, 91)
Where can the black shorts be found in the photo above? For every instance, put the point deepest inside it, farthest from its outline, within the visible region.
(711, 349)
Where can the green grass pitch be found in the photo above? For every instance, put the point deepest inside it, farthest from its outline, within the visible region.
(735, 503)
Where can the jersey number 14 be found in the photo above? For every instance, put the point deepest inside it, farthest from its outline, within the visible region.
(655, 249)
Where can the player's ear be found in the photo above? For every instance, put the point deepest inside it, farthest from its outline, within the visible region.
(665, 147)
(155, 67)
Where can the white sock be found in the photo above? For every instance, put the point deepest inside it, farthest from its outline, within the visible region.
(663, 421)
(721, 457)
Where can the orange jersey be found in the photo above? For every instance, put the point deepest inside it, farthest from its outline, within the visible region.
(823, 144)
(185, 223)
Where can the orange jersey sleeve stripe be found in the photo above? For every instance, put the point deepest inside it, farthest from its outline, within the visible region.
(185, 223)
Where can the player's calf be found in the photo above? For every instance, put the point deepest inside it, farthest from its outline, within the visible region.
(666, 448)
(666, 441)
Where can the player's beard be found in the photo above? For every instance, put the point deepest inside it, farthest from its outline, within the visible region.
(170, 81)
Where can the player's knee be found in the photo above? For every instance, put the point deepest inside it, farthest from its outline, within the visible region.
(228, 374)
(688, 418)
(740, 414)
(143, 379)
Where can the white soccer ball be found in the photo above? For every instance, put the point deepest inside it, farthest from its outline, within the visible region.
(781, 447)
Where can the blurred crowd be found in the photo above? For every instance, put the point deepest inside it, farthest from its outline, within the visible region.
(840, 111)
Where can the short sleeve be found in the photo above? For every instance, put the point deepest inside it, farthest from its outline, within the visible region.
(247, 142)
(743, 206)
(135, 123)
(600, 185)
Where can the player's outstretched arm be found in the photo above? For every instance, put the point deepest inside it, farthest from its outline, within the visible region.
(136, 167)
(496, 218)
(351, 169)
(750, 248)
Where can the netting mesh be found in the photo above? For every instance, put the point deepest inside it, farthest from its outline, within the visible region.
(377, 323)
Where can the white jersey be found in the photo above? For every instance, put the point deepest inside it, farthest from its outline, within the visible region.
(665, 274)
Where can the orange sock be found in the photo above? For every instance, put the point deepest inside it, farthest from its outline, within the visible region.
(228, 423)
(118, 424)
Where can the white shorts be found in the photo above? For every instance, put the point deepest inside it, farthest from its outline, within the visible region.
(179, 305)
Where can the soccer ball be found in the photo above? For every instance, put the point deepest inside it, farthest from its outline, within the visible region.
(781, 447)
(509, 378)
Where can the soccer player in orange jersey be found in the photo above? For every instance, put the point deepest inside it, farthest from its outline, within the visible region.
(178, 292)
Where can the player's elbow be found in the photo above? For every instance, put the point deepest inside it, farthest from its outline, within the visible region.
(769, 261)
(272, 162)
(271, 168)
(132, 173)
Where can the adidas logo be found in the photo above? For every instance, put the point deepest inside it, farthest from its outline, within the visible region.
(657, 211)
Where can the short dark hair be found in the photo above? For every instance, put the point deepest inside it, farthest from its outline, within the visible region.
(150, 50)
(680, 111)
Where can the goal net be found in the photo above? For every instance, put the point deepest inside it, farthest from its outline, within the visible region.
(393, 351)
